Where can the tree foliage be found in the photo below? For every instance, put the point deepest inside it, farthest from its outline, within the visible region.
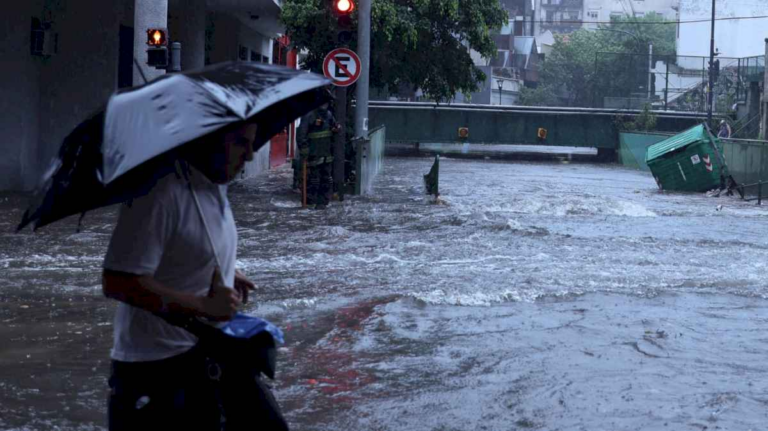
(644, 122)
(587, 65)
(419, 43)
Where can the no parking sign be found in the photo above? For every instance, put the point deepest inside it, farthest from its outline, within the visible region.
(342, 65)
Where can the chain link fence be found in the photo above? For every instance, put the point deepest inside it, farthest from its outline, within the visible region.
(671, 82)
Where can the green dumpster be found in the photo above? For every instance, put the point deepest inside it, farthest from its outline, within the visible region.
(689, 162)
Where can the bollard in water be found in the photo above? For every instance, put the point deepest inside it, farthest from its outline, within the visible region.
(431, 180)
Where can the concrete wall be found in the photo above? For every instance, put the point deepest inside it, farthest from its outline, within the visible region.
(78, 81)
(186, 24)
(228, 35)
(736, 38)
(20, 90)
(45, 98)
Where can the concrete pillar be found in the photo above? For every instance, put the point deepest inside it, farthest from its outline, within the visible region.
(20, 100)
(186, 22)
(147, 14)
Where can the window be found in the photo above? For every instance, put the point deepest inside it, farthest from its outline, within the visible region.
(593, 15)
(639, 14)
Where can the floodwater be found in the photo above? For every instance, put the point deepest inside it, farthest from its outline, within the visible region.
(549, 296)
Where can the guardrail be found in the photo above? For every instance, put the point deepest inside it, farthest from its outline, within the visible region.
(747, 160)
(531, 109)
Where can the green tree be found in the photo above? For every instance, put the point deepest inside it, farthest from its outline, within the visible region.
(543, 95)
(587, 65)
(646, 30)
(419, 43)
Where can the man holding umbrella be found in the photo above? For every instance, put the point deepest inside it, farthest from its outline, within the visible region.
(160, 261)
(166, 151)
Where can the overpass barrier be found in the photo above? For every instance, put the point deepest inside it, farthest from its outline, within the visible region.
(370, 154)
(411, 122)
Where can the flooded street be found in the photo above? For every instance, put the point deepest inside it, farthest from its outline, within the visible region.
(544, 295)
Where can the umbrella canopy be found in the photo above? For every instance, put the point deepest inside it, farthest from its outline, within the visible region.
(120, 152)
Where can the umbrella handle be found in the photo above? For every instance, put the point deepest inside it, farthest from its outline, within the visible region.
(304, 183)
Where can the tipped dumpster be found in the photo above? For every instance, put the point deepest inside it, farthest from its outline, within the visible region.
(691, 161)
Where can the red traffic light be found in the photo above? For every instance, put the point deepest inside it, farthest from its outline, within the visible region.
(344, 6)
(157, 37)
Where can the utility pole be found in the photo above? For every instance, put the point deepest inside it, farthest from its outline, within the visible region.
(711, 93)
(364, 52)
(650, 71)
(764, 101)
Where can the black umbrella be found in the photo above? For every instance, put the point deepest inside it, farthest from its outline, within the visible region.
(120, 152)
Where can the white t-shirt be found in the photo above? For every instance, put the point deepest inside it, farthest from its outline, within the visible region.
(162, 235)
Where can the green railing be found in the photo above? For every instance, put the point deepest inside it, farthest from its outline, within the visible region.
(747, 161)
(370, 154)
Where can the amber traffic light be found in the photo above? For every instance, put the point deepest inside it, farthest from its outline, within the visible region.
(157, 37)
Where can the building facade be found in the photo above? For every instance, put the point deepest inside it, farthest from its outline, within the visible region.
(733, 38)
(602, 11)
(558, 16)
(61, 60)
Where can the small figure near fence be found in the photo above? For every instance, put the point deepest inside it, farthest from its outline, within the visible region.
(725, 130)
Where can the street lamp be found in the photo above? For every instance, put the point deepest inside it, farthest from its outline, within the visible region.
(500, 83)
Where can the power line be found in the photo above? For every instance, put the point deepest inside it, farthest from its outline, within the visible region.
(737, 18)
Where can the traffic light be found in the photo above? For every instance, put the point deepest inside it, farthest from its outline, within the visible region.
(157, 53)
(157, 37)
(343, 7)
(716, 71)
(343, 11)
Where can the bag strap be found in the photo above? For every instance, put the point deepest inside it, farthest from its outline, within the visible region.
(186, 171)
(191, 324)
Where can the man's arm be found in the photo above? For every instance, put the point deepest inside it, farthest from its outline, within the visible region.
(144, 292)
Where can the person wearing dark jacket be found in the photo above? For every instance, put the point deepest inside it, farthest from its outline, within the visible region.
(315, 141)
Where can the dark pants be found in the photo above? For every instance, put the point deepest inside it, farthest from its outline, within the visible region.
(320, 184)
(297, 174)
(173, 393)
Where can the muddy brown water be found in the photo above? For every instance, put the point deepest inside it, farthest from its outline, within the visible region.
(551, 296)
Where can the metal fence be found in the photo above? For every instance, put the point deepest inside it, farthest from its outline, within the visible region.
(748, 163)
(370, 152)
(671, 82)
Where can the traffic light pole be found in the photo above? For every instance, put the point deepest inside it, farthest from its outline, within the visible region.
(339, 144)
(364, 52)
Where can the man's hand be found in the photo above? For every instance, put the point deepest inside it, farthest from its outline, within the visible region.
(336, 129)
(243, 285)
(222, 302)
